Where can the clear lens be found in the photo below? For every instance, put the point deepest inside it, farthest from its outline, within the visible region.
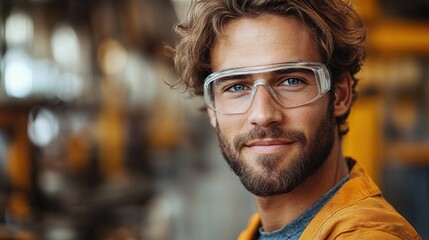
(290, 84)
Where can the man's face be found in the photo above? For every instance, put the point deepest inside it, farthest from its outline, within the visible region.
(271, 149)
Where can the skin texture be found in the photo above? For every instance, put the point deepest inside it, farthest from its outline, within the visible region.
(268, 141)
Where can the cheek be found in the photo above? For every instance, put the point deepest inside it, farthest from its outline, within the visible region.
(231, 125)
(306, 118)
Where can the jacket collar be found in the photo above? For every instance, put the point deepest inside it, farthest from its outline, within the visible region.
(346, 196)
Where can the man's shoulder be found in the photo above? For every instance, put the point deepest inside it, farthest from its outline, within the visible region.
(363, 233)
(372, 217)
(359, 208)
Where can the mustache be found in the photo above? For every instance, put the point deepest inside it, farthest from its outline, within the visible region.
(273, 132)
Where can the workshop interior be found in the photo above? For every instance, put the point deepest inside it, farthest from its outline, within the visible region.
(96, 145)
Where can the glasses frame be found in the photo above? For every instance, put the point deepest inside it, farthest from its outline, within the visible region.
(323, 79)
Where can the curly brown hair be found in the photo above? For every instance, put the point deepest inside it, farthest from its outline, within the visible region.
(338, 29)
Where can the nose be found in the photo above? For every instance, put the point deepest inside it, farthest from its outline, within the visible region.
(264, 110)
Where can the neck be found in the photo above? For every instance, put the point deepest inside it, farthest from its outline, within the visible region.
(279, 210)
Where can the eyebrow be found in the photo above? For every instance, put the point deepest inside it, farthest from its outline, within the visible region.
(302, 70)
(280, 71)
(238, 76)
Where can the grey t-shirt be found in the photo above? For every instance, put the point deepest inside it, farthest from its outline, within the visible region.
(293, 230)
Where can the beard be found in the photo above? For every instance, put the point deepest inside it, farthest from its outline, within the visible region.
(276, 176)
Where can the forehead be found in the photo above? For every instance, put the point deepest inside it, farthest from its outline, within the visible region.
(261, 40)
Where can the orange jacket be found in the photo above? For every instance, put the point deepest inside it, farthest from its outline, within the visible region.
(356, 211)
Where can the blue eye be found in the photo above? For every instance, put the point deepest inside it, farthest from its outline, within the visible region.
(292, 82)
(236, 88)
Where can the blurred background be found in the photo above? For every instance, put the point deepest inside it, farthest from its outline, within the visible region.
(95, 145)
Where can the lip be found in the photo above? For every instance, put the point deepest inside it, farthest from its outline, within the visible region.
(268, 146)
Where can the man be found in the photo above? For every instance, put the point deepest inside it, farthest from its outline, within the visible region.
(278, 78)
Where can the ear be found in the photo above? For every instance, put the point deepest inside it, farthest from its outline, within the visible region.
(343, 94)
(212, 116)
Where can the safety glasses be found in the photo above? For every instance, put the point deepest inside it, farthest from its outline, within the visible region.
(291, 85)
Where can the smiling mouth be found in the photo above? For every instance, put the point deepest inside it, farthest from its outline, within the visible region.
(268, 146)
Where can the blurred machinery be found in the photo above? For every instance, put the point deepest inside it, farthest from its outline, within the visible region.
(389, 124)
(84, 115)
